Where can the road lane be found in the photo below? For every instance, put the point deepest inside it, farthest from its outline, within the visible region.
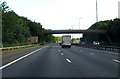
(8, 57)
(45, 63)
(96, 65)
(104, 54)
(55, 61)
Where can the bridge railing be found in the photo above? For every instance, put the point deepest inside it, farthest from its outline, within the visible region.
(102, 47)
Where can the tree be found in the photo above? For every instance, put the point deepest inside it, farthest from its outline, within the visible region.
(17, 29)
(5, 7)
(113, 30)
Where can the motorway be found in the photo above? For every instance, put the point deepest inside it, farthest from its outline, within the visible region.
(54, 61)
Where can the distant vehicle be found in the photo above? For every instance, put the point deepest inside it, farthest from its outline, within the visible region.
(96, 43)
(66, 41)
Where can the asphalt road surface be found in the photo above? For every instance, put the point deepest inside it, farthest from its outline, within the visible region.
(54, 61)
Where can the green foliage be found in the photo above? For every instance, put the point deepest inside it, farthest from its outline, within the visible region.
(113, 30)
(58, 39)
(48, 39)
(75, 40)
(16, 29)
(4, 7)
(35, 28)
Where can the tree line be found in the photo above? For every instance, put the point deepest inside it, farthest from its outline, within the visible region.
(112, 36)
(17, 29)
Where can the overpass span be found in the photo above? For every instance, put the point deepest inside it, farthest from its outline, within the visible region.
(73, 31)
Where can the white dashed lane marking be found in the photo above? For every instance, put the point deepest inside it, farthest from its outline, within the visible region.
(116, 60)
(92, 53)
(69, 61)
(59, 50)
(62, 54)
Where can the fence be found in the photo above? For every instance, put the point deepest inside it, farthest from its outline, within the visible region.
(101, 47)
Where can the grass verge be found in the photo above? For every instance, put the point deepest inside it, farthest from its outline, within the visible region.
(17, 50)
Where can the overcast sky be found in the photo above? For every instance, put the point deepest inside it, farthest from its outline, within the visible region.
(63, 14)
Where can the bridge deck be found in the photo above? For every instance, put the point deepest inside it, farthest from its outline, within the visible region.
(73, 31)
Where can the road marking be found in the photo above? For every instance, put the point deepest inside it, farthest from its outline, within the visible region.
(68, 60)
(16, 60)
(116, 61)
(61, 53)
(59, 50)
(92, 53)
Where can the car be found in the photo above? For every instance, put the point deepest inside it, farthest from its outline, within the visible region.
(96, 43)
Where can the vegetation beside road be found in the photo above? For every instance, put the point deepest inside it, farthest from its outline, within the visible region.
(58, 39)
(75, 40)
(19, 49)
(17, 29)
(113, 30)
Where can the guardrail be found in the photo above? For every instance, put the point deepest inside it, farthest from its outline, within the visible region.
(16, 47)
(102, 47)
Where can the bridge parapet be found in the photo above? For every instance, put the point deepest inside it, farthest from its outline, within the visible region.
(73, 31)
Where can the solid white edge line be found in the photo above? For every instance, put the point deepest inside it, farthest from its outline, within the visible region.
(116, 60)
(68, 60)
(14, 61)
